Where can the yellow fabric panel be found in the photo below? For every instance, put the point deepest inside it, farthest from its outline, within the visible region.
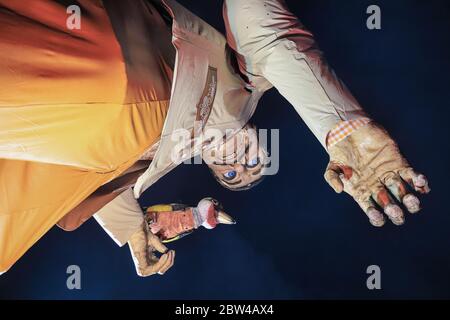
(62, 90)
(34, 196)
(91, 136)
(68, 123)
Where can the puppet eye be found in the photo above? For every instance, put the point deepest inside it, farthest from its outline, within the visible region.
(230, 175)
(253, 163)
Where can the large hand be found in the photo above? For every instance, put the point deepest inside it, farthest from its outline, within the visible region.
(143, 245)
(369, 166)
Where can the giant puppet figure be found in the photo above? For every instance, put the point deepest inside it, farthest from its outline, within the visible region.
(87, 115)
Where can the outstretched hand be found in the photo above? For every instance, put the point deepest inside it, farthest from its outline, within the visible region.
(369, 166)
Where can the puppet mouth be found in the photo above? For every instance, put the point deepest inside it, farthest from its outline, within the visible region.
(224, 218)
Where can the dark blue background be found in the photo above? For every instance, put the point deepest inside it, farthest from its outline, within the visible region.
(295, 238)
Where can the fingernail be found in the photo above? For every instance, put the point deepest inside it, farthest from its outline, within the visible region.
(377, 223)
(337, 185)
(395, 214)
(376, 218)
(420, 181)
(411, 203)
(398, 222)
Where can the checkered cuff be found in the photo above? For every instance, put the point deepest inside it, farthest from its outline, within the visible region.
(344, 129)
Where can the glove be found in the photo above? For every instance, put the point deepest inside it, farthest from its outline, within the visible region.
(143, 246)
(369, 166)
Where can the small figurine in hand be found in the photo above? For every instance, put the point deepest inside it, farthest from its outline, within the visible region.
(174, 221)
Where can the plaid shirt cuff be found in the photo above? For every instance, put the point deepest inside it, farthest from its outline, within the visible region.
(344, 129)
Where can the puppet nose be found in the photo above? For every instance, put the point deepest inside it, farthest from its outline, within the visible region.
(224, 218)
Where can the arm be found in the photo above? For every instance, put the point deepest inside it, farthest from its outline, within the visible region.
(273, 46)
(123, 220)
(121, 217)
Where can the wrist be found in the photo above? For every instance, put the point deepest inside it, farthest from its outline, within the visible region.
(344, 129)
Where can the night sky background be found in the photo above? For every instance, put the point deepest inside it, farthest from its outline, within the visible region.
(295, 238)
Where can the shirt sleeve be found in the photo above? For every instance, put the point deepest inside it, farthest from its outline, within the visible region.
(121, 217)
(272, 45)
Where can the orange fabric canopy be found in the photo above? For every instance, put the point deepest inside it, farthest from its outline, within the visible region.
(71, 119)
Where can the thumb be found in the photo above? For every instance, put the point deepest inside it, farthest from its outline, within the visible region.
(332, 176)
(156, 243)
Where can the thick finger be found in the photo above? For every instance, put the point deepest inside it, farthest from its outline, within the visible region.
(397, 187)
(156, 243)
(332, 176)
(376, 218)
(169, 263)
(392, 210)
(412, 203)
(156, 265)
(416, 180)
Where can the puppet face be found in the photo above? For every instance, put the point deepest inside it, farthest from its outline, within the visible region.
(238, 164)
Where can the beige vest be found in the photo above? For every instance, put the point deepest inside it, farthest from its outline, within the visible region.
(205, 88)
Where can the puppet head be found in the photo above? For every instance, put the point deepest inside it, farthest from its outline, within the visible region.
(238, 163)
(209, 213)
